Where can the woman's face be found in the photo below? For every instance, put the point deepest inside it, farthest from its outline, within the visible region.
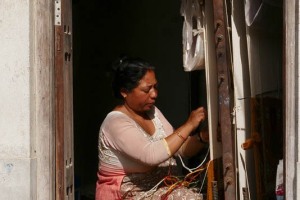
(142, 98)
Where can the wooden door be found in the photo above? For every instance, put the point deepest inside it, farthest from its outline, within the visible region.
(64, 162)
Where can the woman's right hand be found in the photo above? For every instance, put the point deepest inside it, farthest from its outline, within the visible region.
(181, 135)
(196, 117)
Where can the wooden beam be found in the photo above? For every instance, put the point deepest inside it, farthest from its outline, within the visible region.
(225, 92)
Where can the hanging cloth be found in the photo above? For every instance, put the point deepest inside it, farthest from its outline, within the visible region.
(263, 14)
(192, 35)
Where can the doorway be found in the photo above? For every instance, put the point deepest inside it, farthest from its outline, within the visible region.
(102, 31)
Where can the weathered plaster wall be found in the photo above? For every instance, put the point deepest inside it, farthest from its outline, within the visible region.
(15, 158)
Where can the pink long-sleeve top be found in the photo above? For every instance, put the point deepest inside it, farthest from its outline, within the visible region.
(124, 147)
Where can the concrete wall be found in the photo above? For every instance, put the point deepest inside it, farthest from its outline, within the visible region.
(26, 128)
(16, 159)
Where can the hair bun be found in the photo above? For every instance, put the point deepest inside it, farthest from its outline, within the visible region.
(119, 63)
(122, 59)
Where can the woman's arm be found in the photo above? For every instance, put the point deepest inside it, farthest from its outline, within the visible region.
(194, 144)
(123, 135)
(181, 135)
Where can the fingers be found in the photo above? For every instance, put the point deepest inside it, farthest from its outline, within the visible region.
(201, 112)
(197, 116)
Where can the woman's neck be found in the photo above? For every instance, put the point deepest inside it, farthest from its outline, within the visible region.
(135, 114)
(132, 113)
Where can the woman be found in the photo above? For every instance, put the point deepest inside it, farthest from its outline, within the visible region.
(137, 143)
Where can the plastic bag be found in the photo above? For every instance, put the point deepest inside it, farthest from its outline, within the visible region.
(192, 35)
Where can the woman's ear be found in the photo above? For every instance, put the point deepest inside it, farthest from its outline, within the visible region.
(123, 93)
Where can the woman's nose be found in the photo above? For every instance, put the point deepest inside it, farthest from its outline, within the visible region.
(153, 93)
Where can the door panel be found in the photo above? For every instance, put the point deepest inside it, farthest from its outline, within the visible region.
(64, 101)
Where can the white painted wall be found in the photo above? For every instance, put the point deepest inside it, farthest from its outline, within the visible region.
(26, 100)
(16, 160)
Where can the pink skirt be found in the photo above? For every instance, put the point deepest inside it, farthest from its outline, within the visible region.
(108, 186)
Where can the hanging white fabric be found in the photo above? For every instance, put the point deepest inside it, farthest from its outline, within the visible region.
(192, 35)
(257, 12)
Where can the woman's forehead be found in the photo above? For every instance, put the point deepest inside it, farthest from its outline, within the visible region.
(148, 79)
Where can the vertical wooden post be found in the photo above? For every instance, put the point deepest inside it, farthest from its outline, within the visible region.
(59, 113)
(223, 61)
(64, 101)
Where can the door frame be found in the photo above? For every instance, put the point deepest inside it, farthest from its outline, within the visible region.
(42, 88)
(44, 102)
(291, 99)
(42, 98)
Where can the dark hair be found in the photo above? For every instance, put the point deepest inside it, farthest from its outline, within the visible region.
(127, 72)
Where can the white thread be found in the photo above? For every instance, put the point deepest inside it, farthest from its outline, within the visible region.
(191, 170)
